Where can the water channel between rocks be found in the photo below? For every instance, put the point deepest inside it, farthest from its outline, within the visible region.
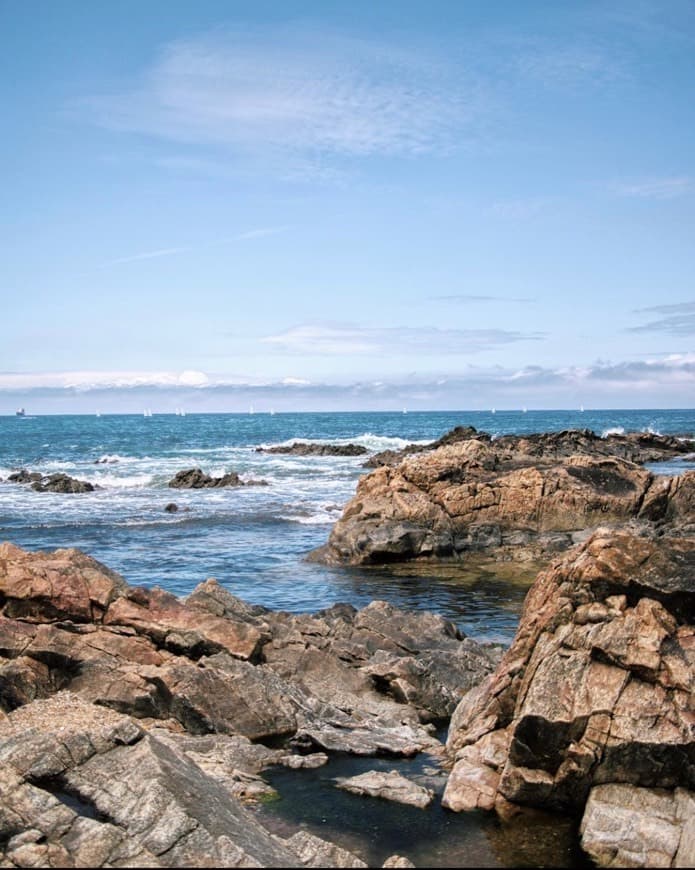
(374, 828)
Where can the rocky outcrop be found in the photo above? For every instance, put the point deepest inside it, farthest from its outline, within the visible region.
(521, 497)
(301, 448)
(82, 785)
(639, 447)
(195, 478)
(50, 482)
(342, 680)
(130, 721)
(592, 706)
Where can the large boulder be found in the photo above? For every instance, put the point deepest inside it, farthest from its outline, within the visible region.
(595, 690)
(302, 448)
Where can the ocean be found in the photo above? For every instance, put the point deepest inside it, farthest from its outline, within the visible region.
(254, 539)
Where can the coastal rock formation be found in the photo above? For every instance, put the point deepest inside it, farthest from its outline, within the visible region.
(50, 482)
(363, 681)
(130, 721)
(524, 497)
(82, 785)
(301, 448)
(591, 709)
(391, 786)
(639, 447)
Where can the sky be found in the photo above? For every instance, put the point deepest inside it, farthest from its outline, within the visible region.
(347, 205)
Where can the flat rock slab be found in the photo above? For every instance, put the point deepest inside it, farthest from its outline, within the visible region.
(390, 786)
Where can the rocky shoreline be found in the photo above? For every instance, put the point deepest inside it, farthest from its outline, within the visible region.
(135, 727)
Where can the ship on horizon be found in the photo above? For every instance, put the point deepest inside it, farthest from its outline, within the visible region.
(20, 412)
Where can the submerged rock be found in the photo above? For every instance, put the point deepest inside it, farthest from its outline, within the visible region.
(390, 786)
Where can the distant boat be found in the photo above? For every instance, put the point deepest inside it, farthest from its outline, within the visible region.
(523, 410)
(20, 412)
(405, 410)
(98, 414)
(581, 408)
(147, 413)
(272, 412)
(493, 411)
(251, 411)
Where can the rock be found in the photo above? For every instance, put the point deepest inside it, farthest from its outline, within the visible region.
(639, 827)
(390, 786)
(195, 478)
(66, 584)
(24, 476)
(315, 852)
(343, 680)
(596, 689)
(61, 483)
(99, 791)
(397, 861)
(300, 448)
(171, 508)
(520, 497)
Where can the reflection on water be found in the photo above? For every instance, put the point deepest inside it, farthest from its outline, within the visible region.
(374, 828)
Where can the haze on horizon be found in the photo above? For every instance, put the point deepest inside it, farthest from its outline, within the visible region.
(343, 206)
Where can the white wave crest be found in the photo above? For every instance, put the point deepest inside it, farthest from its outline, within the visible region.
(373, 443)
(317, 515)
(115, 481)
(648, 430)
(613, 430)
(110, 458)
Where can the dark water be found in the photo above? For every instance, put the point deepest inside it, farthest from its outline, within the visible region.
(253, 539)
(374, 828)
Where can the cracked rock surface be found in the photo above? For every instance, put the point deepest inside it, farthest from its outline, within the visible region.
(591, 709)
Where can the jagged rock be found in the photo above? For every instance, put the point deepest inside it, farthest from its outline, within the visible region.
(342, 680)
(195, 478)
(521, 497)
(171, 508)
(596, 689)
(300, 448)
(390, 786)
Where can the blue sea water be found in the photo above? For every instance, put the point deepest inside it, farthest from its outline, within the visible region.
(254, 539)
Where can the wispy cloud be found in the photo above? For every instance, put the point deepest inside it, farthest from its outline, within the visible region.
(259, 233)
(333, 339)
(98, 380)
(147, 255)
(655, 188)
(304, 91)
(678, 319)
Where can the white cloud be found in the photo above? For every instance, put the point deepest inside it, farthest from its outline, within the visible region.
(97, 380)
(307, 92)
(337, 339)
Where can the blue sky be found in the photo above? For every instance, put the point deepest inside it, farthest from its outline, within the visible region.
(322, 205)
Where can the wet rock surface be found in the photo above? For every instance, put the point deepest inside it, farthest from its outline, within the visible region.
(130, 721)
(520, 497)
(591, 709)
